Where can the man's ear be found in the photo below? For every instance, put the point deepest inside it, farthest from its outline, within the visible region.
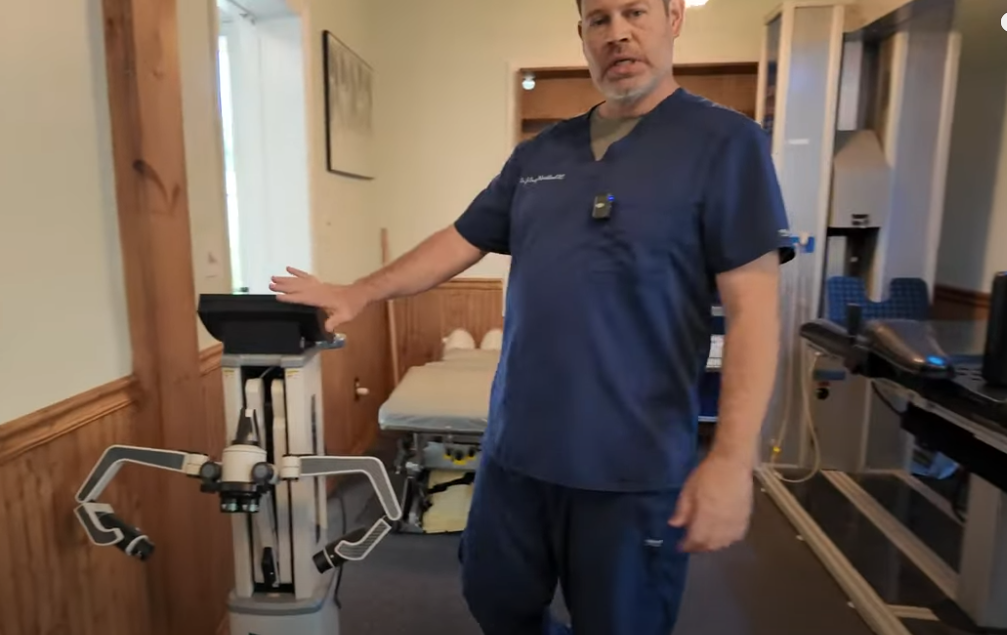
(580, 30)
(676, 15)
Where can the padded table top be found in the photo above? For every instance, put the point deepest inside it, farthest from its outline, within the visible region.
(451, 395)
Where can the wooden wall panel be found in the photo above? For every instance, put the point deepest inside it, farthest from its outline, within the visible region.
(63, 583)
(422, 322)
(419, 329)
(566, 96)
(565, 93)
(952, 303)
(351, 420)
(559, 98)
(53, 580)
(737, 91)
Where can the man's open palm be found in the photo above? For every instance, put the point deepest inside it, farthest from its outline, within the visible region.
(341, 303)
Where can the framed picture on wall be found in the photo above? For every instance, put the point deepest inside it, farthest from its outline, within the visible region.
(349, 110)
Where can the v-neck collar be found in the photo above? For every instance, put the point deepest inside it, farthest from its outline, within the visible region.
(646, 119)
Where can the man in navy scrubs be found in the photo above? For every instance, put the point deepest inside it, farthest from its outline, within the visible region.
(623, 224)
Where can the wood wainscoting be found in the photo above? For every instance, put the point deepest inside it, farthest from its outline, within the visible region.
(54, 580)
(423, 321)
(952, 303)
(351, 419)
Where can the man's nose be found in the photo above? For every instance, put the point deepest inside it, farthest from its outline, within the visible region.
(619, 29)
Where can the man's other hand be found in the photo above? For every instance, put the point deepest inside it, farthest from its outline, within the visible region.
(715, 505)
(341, 303)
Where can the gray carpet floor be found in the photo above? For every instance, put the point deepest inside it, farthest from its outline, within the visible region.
(771, 584)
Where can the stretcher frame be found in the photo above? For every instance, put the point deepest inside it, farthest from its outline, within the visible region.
(426, 445)
(420, 453)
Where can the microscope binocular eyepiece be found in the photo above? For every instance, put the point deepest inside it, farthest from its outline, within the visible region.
(232, 505)
(240, 498)
(239, 482)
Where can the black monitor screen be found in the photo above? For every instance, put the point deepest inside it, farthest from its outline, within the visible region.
(261, 324)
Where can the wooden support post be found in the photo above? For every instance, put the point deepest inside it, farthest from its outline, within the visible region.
(393, 331)
(145, 101)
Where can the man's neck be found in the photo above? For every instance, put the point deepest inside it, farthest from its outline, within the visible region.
(642, 105)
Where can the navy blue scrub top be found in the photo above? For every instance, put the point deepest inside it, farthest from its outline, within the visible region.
(608, 321)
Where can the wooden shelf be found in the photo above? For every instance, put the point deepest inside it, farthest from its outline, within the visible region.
(563, 93)
(681, 70)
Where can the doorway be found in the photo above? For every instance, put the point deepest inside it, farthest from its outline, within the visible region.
(263, 103)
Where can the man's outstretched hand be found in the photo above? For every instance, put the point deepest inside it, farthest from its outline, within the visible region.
(341, 303)
(715, 505)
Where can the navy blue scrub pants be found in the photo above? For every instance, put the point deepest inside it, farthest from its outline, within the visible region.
(613, 554)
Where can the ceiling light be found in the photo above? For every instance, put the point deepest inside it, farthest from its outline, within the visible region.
(529, 81)
(694, 3)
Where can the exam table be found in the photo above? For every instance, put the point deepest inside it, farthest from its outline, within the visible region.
(440, 411)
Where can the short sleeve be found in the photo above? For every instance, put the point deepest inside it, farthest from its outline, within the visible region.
(744, 217)
(486, 222)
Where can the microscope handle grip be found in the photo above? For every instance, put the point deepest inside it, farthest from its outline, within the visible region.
(134, 542)
(328, 558)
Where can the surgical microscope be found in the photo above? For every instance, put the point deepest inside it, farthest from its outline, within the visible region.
(270, 478)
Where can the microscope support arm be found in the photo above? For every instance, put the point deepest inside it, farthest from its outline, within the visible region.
(241, 478)
(358, 544)
(99, 520)
(296, 467)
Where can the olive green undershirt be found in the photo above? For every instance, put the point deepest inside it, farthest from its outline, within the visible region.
(605, 132)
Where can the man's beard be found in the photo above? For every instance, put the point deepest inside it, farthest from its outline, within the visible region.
(629, 95)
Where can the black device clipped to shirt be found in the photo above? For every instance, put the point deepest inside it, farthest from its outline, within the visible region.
(602, 209)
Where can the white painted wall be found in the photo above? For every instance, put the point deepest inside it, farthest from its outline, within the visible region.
(345, 225)
(974, 236)
(444, 91)
(204, 152)
(63, 325)
(63, 319)
(270, 147)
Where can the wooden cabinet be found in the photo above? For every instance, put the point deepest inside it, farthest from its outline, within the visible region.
(562, 93)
